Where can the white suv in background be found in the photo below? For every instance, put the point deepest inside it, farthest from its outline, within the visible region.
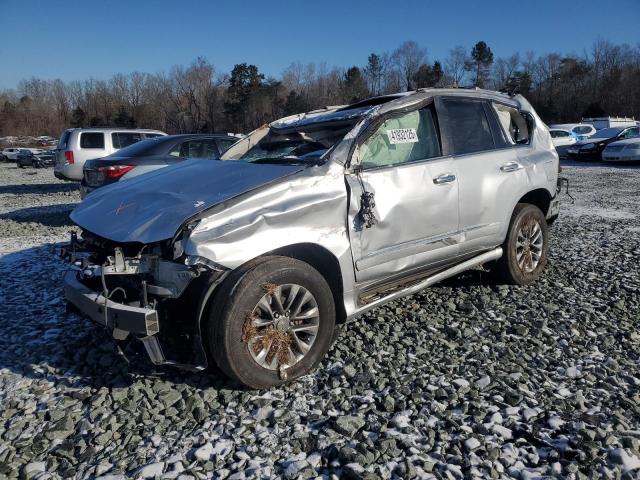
(77, 145)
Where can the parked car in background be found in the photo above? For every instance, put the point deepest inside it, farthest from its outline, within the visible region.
(77, 145)
(562, 140)
(10, 154)
(250, 262)
(591, 149)
(150, 155)
(26, 158)
(608, 122)
(622, 151)
(581, 131)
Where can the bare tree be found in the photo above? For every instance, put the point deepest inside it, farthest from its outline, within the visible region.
(454, 65)
(408, 57)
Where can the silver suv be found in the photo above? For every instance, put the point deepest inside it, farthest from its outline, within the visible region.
(250, 262)
(77, 145)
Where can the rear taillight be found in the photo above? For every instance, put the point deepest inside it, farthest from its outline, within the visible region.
(115, 171)
(68, 156)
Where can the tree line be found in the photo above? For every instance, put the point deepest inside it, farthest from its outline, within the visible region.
(604, 80)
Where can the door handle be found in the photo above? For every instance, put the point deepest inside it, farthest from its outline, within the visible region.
(444, 178)
(511, 167)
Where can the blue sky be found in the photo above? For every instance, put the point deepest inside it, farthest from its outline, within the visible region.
(75, 40)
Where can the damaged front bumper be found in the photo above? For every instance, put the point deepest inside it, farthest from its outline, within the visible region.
(144, 297)
(110, 314)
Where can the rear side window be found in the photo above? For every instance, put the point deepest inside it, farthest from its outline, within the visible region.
(468, 126)
(124, 139)
(195, 149)
(513, 123)
(630, 133)
(401, 139)
(92, 140)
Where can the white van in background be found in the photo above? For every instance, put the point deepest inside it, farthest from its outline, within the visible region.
(77, 145)
(607, 122)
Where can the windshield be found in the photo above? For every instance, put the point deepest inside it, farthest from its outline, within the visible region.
(607, 133)
(284, 149)
(294, 146)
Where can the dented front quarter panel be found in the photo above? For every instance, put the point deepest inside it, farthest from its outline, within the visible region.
(308, 208)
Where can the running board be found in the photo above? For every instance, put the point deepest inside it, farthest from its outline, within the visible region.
(438, 277)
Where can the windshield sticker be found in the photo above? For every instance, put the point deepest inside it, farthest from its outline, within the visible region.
(402, 135)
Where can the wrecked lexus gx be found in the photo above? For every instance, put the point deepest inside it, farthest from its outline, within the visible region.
(250, 261)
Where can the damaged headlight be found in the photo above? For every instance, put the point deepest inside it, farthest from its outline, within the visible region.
(195, 260)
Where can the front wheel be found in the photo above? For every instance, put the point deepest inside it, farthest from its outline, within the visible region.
(271, 321)
(526, 246)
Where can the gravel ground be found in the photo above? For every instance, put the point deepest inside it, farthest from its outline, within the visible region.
(465, 380)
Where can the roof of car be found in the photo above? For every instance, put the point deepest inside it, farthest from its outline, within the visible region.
(114, 129)
(382, 103)
(201, 135)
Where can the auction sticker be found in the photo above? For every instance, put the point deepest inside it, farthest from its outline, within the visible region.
(402, 135)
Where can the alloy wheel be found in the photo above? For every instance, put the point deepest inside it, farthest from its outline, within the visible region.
(282, 327)
(529, 245)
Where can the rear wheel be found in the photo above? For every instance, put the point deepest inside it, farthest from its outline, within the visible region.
(271, 322)
(526, 247)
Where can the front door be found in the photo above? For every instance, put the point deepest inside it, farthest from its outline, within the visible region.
(415, 197)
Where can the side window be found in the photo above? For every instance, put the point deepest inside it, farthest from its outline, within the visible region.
(582, 130)
(210, 149)
(195, 149)
(92, 140)
(514, 125)
(152, 135)
(124, 139)
(401, 139)
(468, 126)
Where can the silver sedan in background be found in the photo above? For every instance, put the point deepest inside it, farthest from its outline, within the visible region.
(622, 151)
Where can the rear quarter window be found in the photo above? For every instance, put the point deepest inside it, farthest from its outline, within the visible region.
(64, 139)
(225, 143)
(514, 124)
(92, 140)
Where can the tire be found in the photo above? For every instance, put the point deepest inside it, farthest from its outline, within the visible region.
(518, 265)
(234, 339)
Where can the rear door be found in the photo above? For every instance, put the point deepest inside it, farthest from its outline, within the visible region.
(491, 175)
(399, 162)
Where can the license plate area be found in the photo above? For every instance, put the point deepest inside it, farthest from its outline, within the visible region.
(94, 178)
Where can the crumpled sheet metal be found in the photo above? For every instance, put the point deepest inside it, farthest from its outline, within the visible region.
(153, 207)
(309, 208)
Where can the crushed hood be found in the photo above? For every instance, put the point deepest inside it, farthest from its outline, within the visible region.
(153, 206)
